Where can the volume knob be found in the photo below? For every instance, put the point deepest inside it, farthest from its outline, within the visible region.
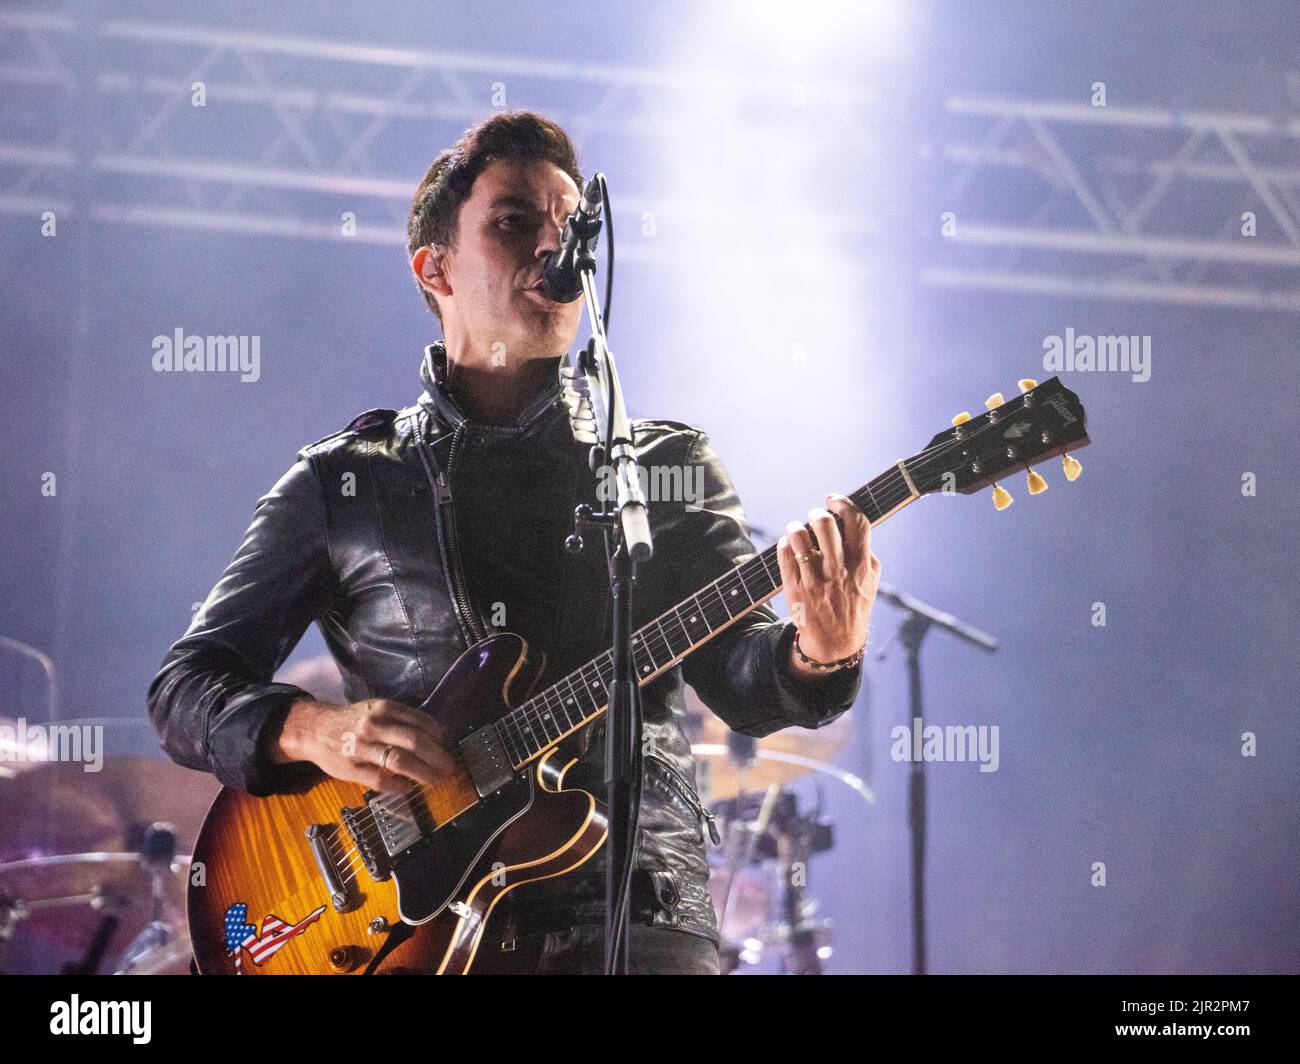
(347, 958)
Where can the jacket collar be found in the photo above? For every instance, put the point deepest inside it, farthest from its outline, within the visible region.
(437, 397)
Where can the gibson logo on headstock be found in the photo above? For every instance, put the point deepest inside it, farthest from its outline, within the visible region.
(1058, 403)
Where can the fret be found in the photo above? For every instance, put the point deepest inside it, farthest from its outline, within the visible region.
(872, 508)
(669, 653)
(581, 687)
(521, 740)
(505, 728)
(527, 729)
(573, 714)
(748, 574)
(735, 584)
(547, 717)
(717, 593)
(502, 729)
(695, 616)
(730, 606)
(866, 502)
(597, 686)
(689, 641)
(643, 660)
(555, 701)
(643, 664)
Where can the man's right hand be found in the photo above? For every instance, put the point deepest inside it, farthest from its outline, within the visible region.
(349, 743)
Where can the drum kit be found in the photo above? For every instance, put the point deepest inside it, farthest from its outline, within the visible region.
(759, 876)
(91, 880)
(90, 877)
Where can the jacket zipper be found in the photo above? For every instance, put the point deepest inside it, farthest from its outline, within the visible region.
(687, 793)
(457, 576)
(469, 628)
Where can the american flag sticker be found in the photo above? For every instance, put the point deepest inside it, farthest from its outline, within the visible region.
(241, 935)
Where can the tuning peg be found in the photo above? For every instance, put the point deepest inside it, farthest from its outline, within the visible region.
(961, 418)
(1037, 485)
(1001, 497)
(994, 401)
(1071, 466)
(1026, 383)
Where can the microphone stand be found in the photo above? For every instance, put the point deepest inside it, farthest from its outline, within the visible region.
(917, 622)
(631, 525)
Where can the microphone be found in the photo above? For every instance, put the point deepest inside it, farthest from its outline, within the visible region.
(560, 278)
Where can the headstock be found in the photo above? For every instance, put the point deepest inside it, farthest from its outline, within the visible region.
(1044, 421)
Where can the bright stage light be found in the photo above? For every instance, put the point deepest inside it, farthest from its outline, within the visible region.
(811, 30)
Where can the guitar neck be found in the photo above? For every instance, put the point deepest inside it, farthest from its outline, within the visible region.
(583, 695)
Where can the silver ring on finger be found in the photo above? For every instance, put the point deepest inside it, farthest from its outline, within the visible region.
(383, 761)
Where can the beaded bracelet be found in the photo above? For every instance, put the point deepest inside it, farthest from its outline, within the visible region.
(832, 666)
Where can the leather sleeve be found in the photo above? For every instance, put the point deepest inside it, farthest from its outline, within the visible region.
(743, 674)
(213, 701)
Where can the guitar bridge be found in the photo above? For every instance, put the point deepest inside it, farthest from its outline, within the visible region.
(319, 837)
(376, 861)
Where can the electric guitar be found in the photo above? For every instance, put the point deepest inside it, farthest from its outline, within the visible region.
(337, 879)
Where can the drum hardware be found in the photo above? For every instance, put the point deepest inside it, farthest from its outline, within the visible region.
(116, 906)
(157, 853)
(760, 881)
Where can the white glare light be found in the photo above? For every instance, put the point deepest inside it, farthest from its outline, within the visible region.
(816, 29)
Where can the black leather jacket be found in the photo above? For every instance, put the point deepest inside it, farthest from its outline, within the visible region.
(349, 538)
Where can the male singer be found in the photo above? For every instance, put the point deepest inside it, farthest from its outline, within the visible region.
(349, 538)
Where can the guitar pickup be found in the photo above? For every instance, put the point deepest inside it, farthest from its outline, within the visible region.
(484, 755)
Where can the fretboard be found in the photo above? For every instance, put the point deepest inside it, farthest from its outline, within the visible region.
(582, 695)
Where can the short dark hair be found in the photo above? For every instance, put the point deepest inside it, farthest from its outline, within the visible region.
(523, 135)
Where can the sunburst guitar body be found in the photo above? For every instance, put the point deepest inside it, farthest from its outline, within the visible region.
(338, 879)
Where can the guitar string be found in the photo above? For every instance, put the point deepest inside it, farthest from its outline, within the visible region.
(395, 805)
(552, 699)
(534, 713)
(533, 716)
(739, 574)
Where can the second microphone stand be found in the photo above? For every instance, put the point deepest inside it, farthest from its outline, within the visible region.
(919, 619)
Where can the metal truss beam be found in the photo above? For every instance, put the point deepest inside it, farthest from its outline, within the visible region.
(297, 130)
(1113, 202)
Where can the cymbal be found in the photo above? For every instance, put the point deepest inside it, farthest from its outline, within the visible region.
(62, 900)
(723, 779)
(68, 876)
(58, 807)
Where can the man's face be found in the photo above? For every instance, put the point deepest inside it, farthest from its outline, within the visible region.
(488, 292)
